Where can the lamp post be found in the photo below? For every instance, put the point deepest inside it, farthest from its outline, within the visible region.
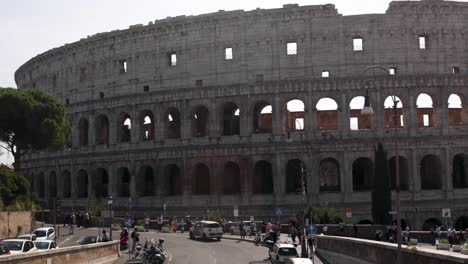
(109, 202)
(367, 110)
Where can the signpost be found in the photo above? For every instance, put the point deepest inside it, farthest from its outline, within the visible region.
(446, 214)
(236, 211)
(349, 212)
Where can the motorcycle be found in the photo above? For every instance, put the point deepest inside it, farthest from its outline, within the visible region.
(153, 252)
(123, 242)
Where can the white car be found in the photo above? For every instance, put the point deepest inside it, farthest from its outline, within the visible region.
(45, 244)
(206, 229)
(45, 233)
(299, 261)
(280, 253)
(31, 237)
(19, 246)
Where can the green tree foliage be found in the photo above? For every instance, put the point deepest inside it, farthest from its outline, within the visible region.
(31, 119)
(14, 190)
(324, 214)
(381, 195)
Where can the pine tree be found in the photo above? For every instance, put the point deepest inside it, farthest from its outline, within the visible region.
(381, 195)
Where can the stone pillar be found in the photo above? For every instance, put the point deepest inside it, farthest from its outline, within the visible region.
(137, 123)
(343, 116)
(278, 117)
(214, 122)
(278, 177)
(346, 177)
(412, 118)
(447, 181)
(246, 121)
(159, 123)
(313, 175)
(91, 179)
(73, 182)
(112, 173)
(133, 176)
(112, 128)
(379, 114)
(91, 131)
(310, 116)
(415, 177)
(442, 116)
(186, 118)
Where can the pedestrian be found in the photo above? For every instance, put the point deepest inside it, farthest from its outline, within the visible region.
(324, 229)
(465, 235)
(147, 223)
(105, 237)
(293, 234)
(355, 230)
(241, 230)
(174, 225)
(86, 219)
(135, 238)
(450, 236)
(252, 228)
(72, 223)
(310, 242)
(406, 234)
(438, 231)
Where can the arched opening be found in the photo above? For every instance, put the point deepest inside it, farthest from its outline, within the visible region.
(358, 121)
(263, 178)
(459, 173)
(83, 128)
(200, 121)
(66, 184)
(425, 111)
(263, 117)
(363, 172)
(53, 184)
(327, 114)
(173, 180)
(41, 185)
(295, 110)
(82, 184)
(231, 119)
(102, 130)
(145, 182)
(201, 180)
(231, 178)
(389, 112)
(461, 223)
(295, 173)
(147, 125)
(101, 183)
(431, 224)
(172, 123)
(403, 170)
(431, 173)
(124, 127)
(455, 110)
(329, 175)
(123, 182)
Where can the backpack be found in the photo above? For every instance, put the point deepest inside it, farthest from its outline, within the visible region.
(133, 234)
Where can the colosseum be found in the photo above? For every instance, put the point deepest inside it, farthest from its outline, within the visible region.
(245, 109)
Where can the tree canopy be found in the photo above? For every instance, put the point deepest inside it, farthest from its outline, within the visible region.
(14, 190)
(31, 119)
(381, 196)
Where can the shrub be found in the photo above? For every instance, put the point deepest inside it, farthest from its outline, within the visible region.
(443, 241)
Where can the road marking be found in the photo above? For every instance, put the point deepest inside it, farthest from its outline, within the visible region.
(66, 239)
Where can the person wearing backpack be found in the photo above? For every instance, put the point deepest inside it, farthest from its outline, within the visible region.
(135, 238)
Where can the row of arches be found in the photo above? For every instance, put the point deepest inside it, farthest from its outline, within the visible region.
(327, 118)
(236, 178)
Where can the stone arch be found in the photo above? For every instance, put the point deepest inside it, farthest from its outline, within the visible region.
(455, 110)
(200, 117)
(123, 182)
(263, 178)
(295, 115)
(358, 121)
(102, 130)
(201, 179)
(431, 224)
(231, 119)
(82, 184)
(231, 178)
(124, 127)
(173, 179)
(40, 189)
(53, 184)
(425, 111)
(329, 175)
(459, 171)
(172, 123)
(66, 184)
(101, 183)
(145, 182)
(262, 117)
(403, 170)
(363, 172)
(389, 112)
(147, 125)
(295, 172)
(431, 173)
(83, 130)
(327, 114)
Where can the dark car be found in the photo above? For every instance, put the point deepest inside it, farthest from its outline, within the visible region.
(90, 240)
(4, 249)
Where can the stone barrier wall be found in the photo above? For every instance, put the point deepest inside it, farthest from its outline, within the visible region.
(11, 222)
(94, 253)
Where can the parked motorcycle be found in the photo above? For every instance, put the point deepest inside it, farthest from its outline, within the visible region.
(153, 252)
(123, 242)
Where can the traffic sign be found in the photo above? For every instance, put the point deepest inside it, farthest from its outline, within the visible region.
(446, 213)
(392, 212)
(349, 212)
(279, 211)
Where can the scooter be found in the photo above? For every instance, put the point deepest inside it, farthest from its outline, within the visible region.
(124, 243)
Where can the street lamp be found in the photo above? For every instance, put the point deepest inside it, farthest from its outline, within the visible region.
(109, 202)
(367, 110)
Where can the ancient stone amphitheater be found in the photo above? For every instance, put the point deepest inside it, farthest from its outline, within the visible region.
(237, 109)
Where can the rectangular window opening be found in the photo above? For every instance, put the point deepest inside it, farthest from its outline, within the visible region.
(146, 88)
(455, 70)
(299, 124)
(101, 95)
(228, 53)
(422, 42)
(392, 71)
(291, 48)
(426, 120)
(357, 44)
(173, 59)
(325, 74)
(353, 123)
(123, 66)
(67, 101)
(199, 83)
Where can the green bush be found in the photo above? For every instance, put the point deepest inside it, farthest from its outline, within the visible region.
(324, 214)
(443, 241)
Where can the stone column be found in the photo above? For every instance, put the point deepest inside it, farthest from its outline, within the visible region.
(414, 172)
(112, 129)
(346, 177)
(278, 117)
(133, 176)
(112, 171)
(442, 116)
(246, 121)
(412, 118)
(91, 131)
(186, 118)
(137, 123)
(159, 122)
(278, 177)
(343, 116)
(73, 182)
(214, 122)
(378, 118)
(447, 180)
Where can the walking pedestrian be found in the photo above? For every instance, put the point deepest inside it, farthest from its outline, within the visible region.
(147, 223)
(72, 223)
(293, 234)
(86, 218)
(450, 236)
(438, 231)
(135, 238)
(252, 228)
(105, 237)
(325, 229)
(241, 230)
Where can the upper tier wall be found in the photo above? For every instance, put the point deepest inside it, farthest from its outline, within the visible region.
(79, 71)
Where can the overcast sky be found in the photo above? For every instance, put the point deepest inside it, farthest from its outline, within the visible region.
(31, 27)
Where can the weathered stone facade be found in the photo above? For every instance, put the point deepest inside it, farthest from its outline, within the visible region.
(192, 112)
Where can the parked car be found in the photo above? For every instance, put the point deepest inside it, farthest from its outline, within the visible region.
(31, 237)
(206, 229)
(280, 253)
(235, 230)
(299, 261)
(45, 244)
(90, 240)
(4, 251)
(45, 233)
(18, 246)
